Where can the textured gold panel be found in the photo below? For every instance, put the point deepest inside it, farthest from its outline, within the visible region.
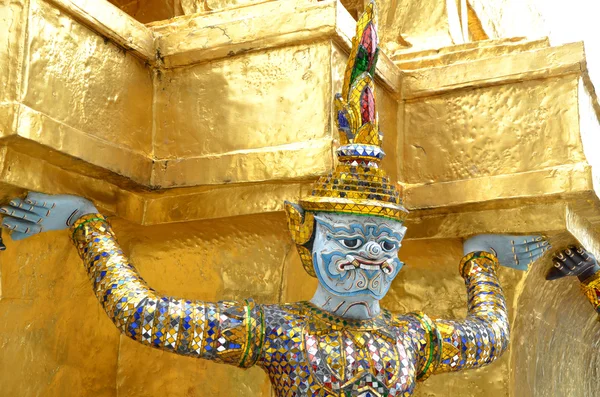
(467, 52)
(263, 99)
(493, 130)
(12, 35)
(555, 351)
(198, 38)
(42, 129)
(9, 112)
(526, 218)
(86, 82)
(20, 172)
(220, 202)
(210, 36)
(55, 338)
(293, 161)
(147, 11)
(166, 374)
(413, 25)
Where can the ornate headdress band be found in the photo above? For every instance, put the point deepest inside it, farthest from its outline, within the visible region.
(357, 185)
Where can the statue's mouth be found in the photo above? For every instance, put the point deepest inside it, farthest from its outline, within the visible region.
(357, 262)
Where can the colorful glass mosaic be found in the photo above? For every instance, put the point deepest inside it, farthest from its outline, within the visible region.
(591, 289)
(305, 351)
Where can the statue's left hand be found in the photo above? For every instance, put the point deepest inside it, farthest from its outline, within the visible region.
(517, 252)
(43, 212)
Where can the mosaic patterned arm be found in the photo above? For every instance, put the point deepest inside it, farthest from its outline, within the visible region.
(484, 335)
(226, 332)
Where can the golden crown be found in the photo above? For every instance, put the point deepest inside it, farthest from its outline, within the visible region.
(357, 185)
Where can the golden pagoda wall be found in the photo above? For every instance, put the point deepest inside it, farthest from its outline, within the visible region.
(202, 147)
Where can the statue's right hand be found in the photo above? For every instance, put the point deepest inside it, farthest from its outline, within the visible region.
(42, 212)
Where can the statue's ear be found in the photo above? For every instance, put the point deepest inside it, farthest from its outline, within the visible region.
(300, 223)
(302, 226)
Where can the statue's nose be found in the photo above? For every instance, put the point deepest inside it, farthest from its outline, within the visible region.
(372, 250)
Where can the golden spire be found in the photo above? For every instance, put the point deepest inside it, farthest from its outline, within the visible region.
(358, 185)
(355, 106)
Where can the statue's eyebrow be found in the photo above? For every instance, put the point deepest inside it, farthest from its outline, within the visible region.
(334, 228)
(364, 229)
(385, 229)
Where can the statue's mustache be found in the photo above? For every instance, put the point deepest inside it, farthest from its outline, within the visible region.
(353, 262)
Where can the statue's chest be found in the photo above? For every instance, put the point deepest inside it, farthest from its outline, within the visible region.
(358, 363)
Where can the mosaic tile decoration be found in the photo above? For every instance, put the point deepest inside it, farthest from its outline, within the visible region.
(591, 289)
(305, 350)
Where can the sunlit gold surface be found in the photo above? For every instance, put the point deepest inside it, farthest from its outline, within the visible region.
(484, 136)
(554, 323)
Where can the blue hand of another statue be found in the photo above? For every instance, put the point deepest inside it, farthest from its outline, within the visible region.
(517, 252)
(42, 212)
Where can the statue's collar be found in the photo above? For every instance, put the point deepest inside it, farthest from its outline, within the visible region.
(321, 322)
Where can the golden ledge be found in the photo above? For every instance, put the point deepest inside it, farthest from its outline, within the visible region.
(564, 179)
(112, 23)
(292, 161)
(504, 69)
(201, 38)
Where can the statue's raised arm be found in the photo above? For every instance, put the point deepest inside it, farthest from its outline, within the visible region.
(226, 332)
(478, 340)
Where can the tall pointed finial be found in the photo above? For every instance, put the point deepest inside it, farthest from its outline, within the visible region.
(357, 120)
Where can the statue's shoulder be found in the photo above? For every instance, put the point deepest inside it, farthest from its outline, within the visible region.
(411, 322)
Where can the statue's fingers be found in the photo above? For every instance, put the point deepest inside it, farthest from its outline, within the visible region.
(19, 203)
(534, 240)
(531, 247)
(562, 267)
(41, 211)
(554, 274)
(21, 226)
(582, 252)
(569, 261)
(40, 200)
(16, 236)
(577, 258)
(22, 214)
(533, 255)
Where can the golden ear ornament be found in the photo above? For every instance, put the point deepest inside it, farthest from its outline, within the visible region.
(302, 227)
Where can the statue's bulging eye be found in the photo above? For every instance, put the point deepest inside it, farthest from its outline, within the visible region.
(351, 242)
(388, 245)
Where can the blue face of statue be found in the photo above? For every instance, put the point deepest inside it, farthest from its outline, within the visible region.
(357, 255)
